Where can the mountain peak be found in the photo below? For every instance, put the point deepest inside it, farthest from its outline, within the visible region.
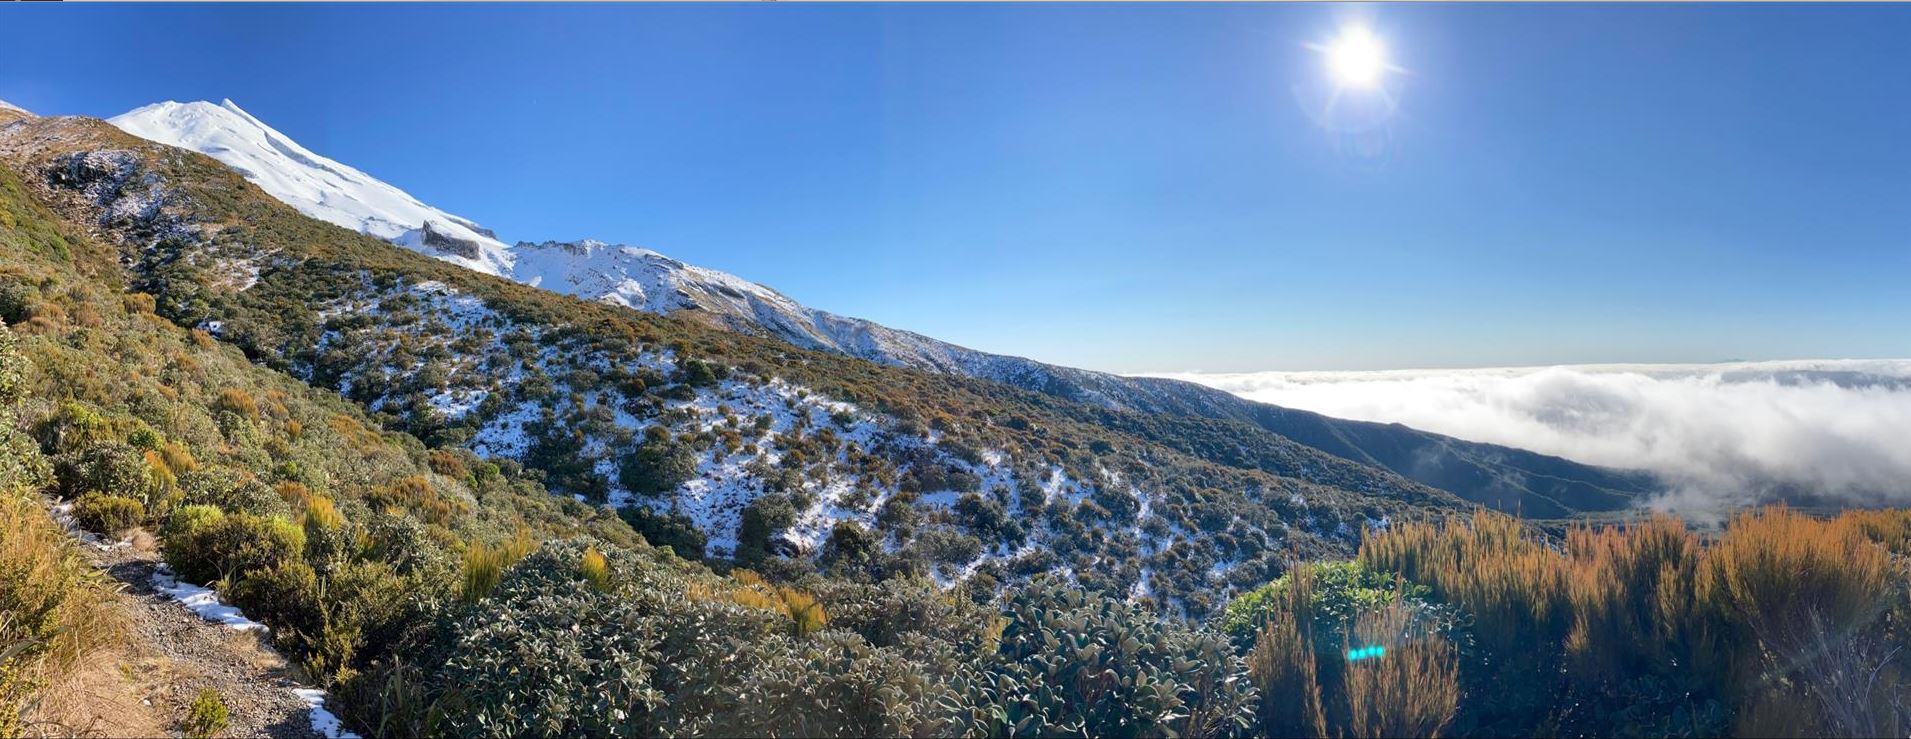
(317, 186)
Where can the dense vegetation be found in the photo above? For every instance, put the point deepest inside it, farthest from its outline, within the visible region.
(436, 591)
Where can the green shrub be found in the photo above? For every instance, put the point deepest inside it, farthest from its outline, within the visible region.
(232, 490)
(554, 657)
(206, 717)
(206, 547)
(698, 373)
(849, 548)
(1079, 664)
(1339, 593)
(286, 597)
(673, 530)
(72, 427)
(106, 467)
(657, 466)
(763, 518)
(107, 514)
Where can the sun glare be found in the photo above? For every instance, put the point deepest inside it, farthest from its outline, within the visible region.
(1356, 58)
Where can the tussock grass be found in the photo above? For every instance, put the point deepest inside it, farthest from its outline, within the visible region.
(484, 565)
(55, 609)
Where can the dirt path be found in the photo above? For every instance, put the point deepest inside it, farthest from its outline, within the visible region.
(170, 654)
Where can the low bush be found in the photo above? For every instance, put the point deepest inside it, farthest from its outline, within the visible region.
(1076, 663)
(205, 545)
(107, 514)
(671, 530)
(109, 467)
(206, 717)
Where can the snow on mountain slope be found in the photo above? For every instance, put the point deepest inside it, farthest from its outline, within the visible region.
(646, 280)
(638, 278)
(4, 105)
(316, 186)
(635, 277)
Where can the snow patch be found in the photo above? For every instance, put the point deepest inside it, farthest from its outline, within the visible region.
(201, 600)
(324, 723)
(63, 515)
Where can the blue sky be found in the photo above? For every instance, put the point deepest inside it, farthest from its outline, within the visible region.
(1124, 187)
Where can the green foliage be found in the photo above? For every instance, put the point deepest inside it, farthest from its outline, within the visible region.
(657, 467)
(1071, 663)
(1339, 593)
(107, 514)
(108, 467)
(206, 717)
(208, 547)
(553, 656)
(763, 518)
(1305, 630)
(20, 461)
(674, 531)
(850, 548)
(698, 373)
(12, 370)
(664, 652)
(232, 489)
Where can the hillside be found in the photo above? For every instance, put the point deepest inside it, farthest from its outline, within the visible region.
(1508, 479)
(720, 444)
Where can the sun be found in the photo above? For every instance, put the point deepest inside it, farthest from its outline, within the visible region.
(1356, 58)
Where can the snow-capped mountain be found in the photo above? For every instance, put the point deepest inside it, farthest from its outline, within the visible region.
(645, 280)
(626, 275)
(317, 186)
(4, 105)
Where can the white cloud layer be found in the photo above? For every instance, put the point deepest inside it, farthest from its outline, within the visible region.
(1721, 435)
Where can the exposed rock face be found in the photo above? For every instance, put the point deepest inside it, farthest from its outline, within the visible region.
(445, 243)
(131, 197)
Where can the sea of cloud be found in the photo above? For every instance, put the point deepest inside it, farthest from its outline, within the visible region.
(1720, 435)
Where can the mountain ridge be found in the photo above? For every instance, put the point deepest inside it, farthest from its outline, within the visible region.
(714, 442)
(646, 280)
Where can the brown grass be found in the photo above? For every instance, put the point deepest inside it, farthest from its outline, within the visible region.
(1282, 666)
(484, 565)
(100, 696)
(1414, 690)
(55, 609)
(1793, 621)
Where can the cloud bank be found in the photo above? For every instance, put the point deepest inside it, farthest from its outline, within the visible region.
(1720, 435)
